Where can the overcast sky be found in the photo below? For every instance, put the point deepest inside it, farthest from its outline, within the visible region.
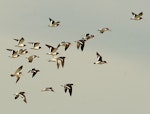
(119, 87)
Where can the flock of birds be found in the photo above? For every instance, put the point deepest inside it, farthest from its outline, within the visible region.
(53, 51)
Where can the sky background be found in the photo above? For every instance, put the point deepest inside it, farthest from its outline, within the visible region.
(119, 87)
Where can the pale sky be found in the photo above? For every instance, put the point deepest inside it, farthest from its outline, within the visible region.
(119, 87)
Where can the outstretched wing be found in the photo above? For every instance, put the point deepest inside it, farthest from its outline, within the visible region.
(17, 79)
(50, 19)
(34, 73)
(82, 45)
(62, 60)
(23, 96)
(99, 57)
(22, 93)
(19, 69)
(21, 41)
(67, 46)
(58, 64)
(36, 44)
(65, 89)
(140, 14)
(25, 100)
(9, 49)
(70, 91)
(134, 14)
(78, 45)
(51, 48)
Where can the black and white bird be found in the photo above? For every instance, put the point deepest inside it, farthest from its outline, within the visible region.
(30, 58)
(15, 53)
(53, 23)
(68, 87)
(58, 60)
(102, 30)
(22, 51)
(137, 16)
(48, 89)
(17, 73)
(65, 44)
(22, 95)
(20, 42)
(88, 36)
(36, 45)
(80, 43)
(99, 59)
(33, 71)
(53, 50)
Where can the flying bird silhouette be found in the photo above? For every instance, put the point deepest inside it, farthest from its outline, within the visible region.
(102, 30)
(137, 16)
(58, 60)
(22, 51)
(31, 58)
(20, 42)
(65, 44)
(33, 71)
(53, 23)
(88, 36)
(48, 89)
(53, 50)
(22, 95)
(80, 44)
(36, 45)
(68, 87)
(15, 54)
(99, 59)
(17, 73)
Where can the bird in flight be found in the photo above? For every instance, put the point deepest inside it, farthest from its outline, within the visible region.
(53, 23)
(53, 50)
(36, 45)
(15, 53)
(102, 30)
(88, 36)
(58, 60)
(22, 95)
(17, 73)
(65, 44)
(33, 71)
(80, 44)
(22, 51)
(30, 58)
(68, 87)
(137, 16)
(99, 59)
(48, 89)
(20, 42)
